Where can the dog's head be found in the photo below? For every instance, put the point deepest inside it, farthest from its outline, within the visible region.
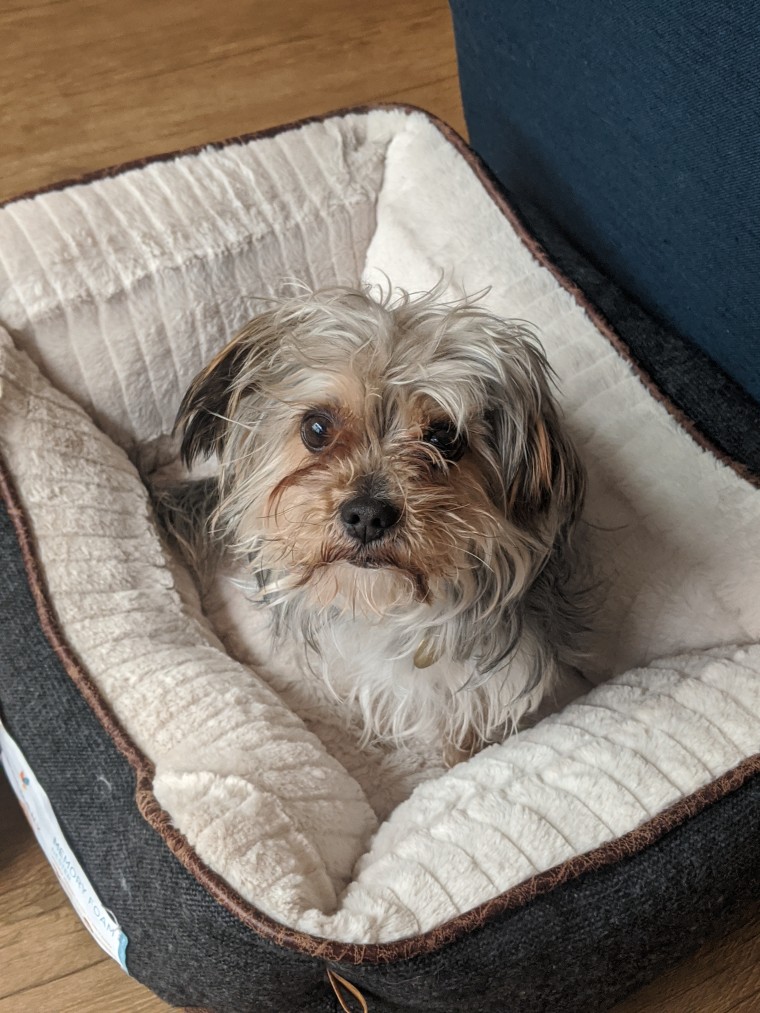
(377, 454)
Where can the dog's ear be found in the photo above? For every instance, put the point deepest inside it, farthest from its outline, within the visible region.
(550, 474)
(202, 414)
(540, 469)
(206, 412)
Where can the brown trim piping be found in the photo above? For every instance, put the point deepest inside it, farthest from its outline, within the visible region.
(330, 950)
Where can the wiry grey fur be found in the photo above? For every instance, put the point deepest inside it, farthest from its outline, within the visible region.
(483, 566)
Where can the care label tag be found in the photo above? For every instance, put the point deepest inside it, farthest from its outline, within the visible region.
(97, 919)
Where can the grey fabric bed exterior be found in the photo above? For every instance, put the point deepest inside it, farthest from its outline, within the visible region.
(578, 936)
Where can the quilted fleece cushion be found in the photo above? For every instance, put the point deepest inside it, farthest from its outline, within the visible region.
(114, 293)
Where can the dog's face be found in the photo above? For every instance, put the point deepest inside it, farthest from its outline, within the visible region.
(382, 456)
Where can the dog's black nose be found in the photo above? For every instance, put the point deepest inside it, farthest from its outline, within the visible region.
(366, 518)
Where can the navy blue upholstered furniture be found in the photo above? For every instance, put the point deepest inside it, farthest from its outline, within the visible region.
(634, 129)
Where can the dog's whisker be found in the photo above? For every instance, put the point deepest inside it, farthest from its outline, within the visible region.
(231, 421)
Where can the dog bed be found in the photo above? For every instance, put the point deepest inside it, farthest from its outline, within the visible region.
(250, 856)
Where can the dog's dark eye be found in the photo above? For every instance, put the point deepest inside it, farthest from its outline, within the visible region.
(316, 430)
(445, 438)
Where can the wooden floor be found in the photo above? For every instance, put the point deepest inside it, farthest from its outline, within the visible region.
(90, 83)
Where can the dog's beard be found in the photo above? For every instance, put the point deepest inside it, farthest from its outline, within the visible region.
(376, 582)
(376, 593)
(457, 586)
